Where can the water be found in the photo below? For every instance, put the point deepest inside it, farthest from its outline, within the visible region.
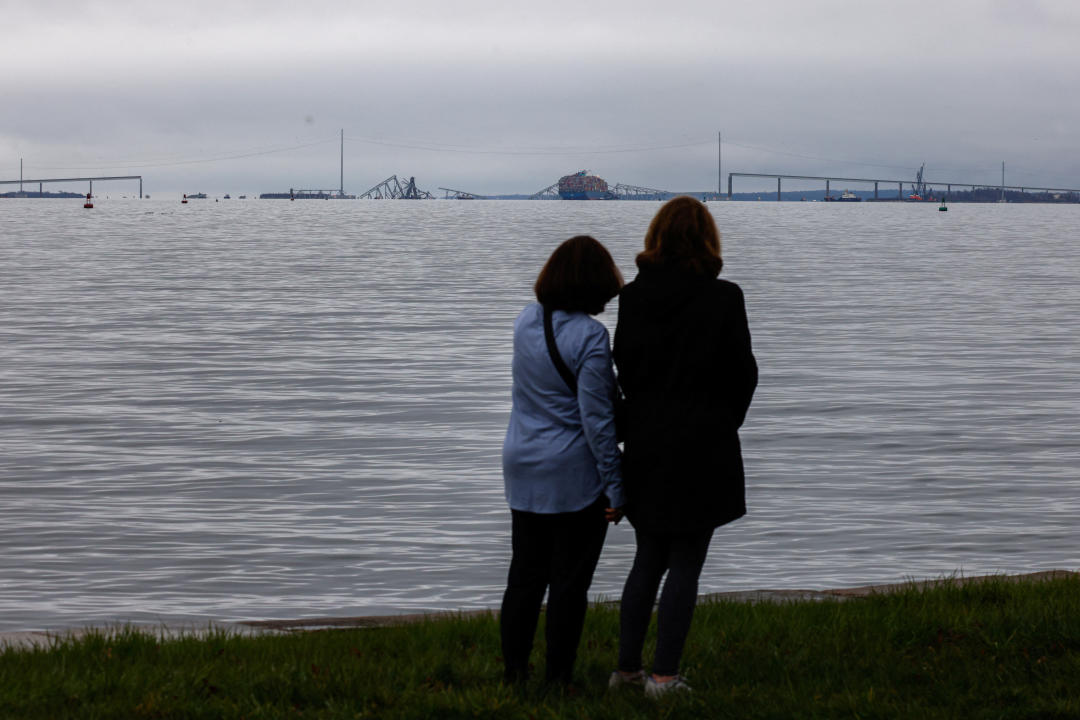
(260, 409)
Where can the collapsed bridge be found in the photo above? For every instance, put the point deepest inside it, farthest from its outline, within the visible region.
(394, 189)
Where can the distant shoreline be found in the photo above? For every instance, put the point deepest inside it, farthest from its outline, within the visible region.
(26, 195)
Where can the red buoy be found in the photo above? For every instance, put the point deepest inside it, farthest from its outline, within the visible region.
(184, 201)
(88, 204)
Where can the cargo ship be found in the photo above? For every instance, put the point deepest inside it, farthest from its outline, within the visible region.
(583, 186)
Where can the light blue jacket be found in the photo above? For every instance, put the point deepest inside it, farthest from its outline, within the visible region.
(560, 452)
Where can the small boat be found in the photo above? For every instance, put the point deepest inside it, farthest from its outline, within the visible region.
(227, 196)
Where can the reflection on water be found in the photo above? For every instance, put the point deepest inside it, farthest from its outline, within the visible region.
(261, 409)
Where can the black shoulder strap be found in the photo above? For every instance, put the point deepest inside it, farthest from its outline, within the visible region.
(553, 350)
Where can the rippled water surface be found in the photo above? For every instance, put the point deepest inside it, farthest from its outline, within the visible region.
(254, 409)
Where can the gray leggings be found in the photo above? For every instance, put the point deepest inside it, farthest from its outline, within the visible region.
(681, 557)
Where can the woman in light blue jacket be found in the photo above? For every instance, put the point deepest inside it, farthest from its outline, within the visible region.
(561, 463)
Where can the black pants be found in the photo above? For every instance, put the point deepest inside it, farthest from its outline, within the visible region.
(682, 557)
(558, 553)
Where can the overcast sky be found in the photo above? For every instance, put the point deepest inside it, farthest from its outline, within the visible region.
(500, 97)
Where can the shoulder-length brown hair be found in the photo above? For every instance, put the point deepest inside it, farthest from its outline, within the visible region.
(683, 235)
(579, 276)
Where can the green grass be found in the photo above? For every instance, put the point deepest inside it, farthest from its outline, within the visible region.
(993, 650)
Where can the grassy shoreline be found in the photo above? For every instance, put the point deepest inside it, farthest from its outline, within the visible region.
(997, 648)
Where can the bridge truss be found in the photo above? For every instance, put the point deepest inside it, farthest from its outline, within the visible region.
(633, 192)
(452, 194)
(393, 189)
(551, 192)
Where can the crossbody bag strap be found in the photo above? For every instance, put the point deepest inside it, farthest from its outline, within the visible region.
(553, 350)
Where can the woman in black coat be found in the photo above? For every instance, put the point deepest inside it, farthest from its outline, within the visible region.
(682, 349)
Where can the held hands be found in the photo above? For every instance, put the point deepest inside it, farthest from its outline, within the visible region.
(613, 515)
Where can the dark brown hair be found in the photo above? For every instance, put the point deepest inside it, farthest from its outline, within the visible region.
(579, 276)
(683, 235)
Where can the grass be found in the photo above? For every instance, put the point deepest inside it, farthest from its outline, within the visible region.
(993, 650)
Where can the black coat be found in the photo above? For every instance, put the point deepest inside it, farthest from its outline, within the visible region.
(682, 350)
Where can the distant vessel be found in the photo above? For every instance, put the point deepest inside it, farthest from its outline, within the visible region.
(196, 196)
(847, 196)
(307, 195)
(335, 194)
(583, 186)
(227, 196)
(920, 192)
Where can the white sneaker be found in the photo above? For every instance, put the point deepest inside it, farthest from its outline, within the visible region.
(618, 679)
(656, 689)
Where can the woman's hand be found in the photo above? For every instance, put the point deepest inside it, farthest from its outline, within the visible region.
(613, 515)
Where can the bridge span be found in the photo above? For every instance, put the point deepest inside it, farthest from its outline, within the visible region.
(827, 179)
(41, 181)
